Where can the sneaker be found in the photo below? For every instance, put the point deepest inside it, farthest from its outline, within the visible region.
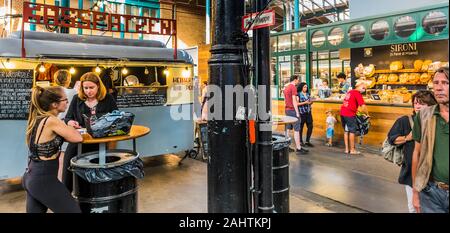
(308, 144)
(302, 144)
(328, 144)
(302, 151)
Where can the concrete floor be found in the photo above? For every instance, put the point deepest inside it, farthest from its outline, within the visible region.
(323, 181)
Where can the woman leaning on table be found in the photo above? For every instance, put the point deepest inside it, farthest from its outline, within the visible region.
(44, 136)
(91, 100)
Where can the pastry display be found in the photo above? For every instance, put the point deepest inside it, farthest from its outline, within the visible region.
(359, 71)
(393, 78)
(404, 78)
(369, 71)
(418, 65)
(396, 65)
(425, 65)
(414, 78)
(424, 78)
(382, 78)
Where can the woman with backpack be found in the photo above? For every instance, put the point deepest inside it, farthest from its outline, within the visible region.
(401, 135)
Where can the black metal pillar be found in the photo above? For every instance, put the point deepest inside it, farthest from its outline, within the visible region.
(227, 165)
(261, 52)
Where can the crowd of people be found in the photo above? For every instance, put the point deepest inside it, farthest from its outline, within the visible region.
(423, 135)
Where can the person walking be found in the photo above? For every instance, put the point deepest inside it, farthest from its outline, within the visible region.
(430, 158)
(44, 136)
(304, 108)
(401, 135)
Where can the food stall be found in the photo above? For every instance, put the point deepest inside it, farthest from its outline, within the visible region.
(150, 83)
(395, 53)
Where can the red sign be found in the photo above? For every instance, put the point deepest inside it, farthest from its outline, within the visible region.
(265, 19)
(36, 13)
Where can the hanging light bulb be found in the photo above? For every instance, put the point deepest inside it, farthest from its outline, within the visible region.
(166, 72)
(8, 64)
(42, 68)
(146, 71)
(186, 73)
(72, 70)
(98, 69)
(124, 70)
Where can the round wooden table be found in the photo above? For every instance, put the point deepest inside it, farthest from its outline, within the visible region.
(136, 131)
(284, 120)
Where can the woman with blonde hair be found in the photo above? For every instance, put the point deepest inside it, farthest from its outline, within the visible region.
(92, 101)
(44, 136)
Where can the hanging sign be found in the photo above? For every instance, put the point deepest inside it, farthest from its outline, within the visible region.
(50, 15)
(265, 19)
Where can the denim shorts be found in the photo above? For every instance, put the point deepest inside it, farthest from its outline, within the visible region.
(295, 125)
(330, 132)
(349, 124)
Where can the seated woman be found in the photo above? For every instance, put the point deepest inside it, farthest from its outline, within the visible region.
(45, 136)
(92, 101)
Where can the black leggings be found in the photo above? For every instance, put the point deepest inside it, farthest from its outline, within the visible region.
(308, 120)
(72, 151)
(45, 191)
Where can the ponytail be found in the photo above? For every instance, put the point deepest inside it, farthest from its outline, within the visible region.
(40, 105)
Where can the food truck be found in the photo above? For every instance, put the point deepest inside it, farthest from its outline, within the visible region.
(149, 81)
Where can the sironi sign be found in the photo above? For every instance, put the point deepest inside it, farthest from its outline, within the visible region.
(36, 13)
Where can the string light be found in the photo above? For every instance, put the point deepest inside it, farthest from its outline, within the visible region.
(186, 73)
(98, 69)
(8, 64)
(146, 71)
(124, 70)
(166, 72)
(42, 68)
(72, 70)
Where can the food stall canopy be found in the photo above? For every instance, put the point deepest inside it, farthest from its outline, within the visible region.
(52, 45)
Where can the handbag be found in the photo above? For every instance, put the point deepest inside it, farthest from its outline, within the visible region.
(392, 153)
(111, 124)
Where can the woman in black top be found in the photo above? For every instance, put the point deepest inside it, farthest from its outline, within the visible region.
(45, 135)
(401, 135)
(92, 100)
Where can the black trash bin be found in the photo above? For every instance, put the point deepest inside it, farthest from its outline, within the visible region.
(281, 173)
(109, 188)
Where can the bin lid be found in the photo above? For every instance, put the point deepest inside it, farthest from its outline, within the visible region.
(114, 158)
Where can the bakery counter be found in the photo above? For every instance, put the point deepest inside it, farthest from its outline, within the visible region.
(382, 116)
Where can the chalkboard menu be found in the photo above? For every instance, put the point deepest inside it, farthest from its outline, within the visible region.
(15, 93)
(140, 100)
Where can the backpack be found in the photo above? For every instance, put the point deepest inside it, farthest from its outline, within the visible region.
(392, 153)
(362, 125)
(111, 124)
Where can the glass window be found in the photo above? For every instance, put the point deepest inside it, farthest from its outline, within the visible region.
(284, 74)
(434, 22)
(336, 36)
(273, 44)
(405, 26)
(323, 55)
(284, 43)
(299, 40)
(300, 66)
(379, 30)
(356, 33)
(318, 39)
(334, 54)
(273, 76)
